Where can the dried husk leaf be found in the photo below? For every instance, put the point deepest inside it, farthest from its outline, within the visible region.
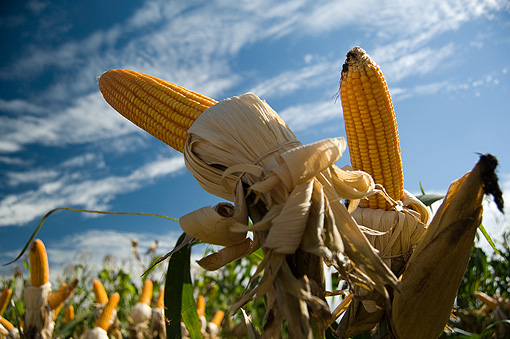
(228, 254)
(38, 317)
(95, 333)
(241, 148)
(434, 272)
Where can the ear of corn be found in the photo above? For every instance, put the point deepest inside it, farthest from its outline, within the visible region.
(201, 305)
(99, 292)
(57, 298)
(103, 321)
(6, 323)
(371, 126)
(4, 299)
(69, 315)
(161, 299)
(146, 295)
(39, 268)
(218, 317)
(161, 108)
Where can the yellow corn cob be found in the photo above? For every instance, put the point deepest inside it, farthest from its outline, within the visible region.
(161, 299)
(218, 317)
(146, 295)
(39, 268)
(161, 108)
(103, 320)
(201, 305)
(4, 299)
(371, 126)
(6, 323)
(57, 298)
(69, 313)
(99, 292)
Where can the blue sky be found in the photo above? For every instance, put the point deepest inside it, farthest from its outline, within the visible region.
(447, 64)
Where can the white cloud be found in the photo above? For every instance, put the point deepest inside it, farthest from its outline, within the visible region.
(300, 117)
(80, 190)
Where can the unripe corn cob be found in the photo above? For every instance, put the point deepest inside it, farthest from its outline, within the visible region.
(7, 324)
(39, 268)
(371, 126)
(103, 320)
(161, 108)
(146, 295)
(69, 315)
(99, 292)
(4, 299)
(57, 298)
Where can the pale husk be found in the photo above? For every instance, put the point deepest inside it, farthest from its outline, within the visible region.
(38, 315)
(241, 149)
(157, 328)
(95, 333)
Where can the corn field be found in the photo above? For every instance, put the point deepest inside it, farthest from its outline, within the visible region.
(305, 249)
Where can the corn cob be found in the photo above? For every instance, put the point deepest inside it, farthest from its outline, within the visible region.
(4, 299)
(39, 268)
(161, 299)
(218, 318)
(69, 315)
(161, 108)
(57, 298)
(371, 126)
(99, 292)
(6, 323)
(146, 295)
(103, 321)
(201, 305)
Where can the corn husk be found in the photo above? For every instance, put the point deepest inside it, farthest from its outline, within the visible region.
(242, 151)
(431, 280)
(38, 317)
(95, 333)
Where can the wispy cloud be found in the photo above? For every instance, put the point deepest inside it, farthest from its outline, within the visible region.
(72, 189)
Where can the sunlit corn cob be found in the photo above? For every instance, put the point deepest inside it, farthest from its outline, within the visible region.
(161, 108)
(69, 315)
(57, 298)
(39, 268)
(4, 299)
(161, 299)
(371, 126)
(103, 321)
(6, 323)
(201, 305)
(146, 295)
(218, 318)
(99, 292)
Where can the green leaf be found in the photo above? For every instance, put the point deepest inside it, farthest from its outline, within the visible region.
(429, 199)
(489, 239)
(178, 294)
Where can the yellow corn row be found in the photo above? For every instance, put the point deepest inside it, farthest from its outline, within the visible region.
(146, 295)
(218, 317)
(161, 108)
(201, 305)
(370, 125)
(39, 267)
(4, 299)
(99, 292)
(69, 315)
(6, 323)
(103, 320)
(161, 299)
(57, 298)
